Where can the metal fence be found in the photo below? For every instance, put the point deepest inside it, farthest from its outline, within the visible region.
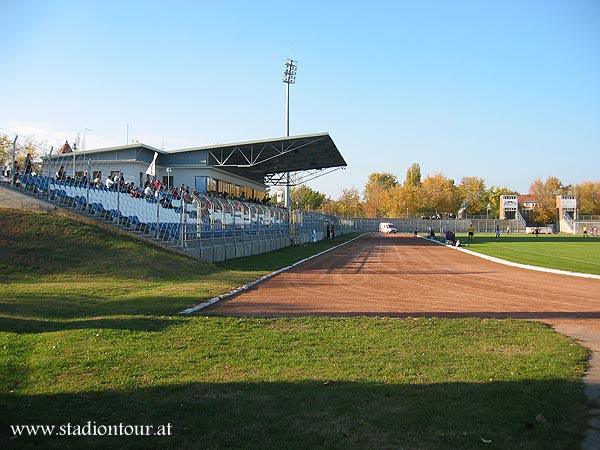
(213, 228)
(589, 225)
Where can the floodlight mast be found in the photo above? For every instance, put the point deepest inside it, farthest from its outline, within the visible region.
(289, 77)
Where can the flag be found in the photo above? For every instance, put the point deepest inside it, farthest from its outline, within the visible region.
(152, 167)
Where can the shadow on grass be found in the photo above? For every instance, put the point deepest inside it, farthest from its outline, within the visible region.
(28, 325)
(315, 414)
(80, 306)
(273, 309)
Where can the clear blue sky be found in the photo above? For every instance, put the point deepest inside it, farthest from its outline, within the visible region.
(508, 91)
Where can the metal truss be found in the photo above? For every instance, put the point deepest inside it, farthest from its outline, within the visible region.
(298, 178)
(255, 154)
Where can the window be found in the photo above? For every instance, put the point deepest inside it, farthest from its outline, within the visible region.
(97, 174)
(201, 183)
(168, 180)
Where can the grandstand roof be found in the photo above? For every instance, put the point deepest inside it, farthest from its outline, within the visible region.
(256, 160)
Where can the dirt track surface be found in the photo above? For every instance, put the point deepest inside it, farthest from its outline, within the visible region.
(402, 276)
(399, 275)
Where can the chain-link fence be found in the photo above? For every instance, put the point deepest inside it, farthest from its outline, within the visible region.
(213, 228)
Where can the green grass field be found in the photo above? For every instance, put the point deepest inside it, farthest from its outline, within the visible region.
(89, 332)
(557, 251)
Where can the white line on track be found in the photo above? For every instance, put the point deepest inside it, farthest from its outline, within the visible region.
(245, 287)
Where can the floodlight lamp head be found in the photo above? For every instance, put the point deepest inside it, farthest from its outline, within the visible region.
(289, 74)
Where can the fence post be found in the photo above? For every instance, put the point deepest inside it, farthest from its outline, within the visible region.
(181, 221)
(13, 175)
(118, 183)
(157, 198)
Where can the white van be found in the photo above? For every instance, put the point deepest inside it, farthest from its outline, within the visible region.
(387, 227)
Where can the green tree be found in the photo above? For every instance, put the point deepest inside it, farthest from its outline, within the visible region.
(472, 192)
(349, 204)
(303, 197)
(493, 195)
(413, 175)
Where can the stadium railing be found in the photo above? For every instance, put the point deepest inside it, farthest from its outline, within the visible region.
(210, 228)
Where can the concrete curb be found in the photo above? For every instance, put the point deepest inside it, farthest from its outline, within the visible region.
(519, 265)
(245, 287)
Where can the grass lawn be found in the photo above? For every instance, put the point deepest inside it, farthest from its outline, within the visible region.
(88, 332)
(557, 251)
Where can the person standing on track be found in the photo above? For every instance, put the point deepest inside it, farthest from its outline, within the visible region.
(471, 233)
(416, 232)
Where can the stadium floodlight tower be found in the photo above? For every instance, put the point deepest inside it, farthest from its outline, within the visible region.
(289, 77)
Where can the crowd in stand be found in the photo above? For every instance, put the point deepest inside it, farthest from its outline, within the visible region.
(154, 188)
(242, 198)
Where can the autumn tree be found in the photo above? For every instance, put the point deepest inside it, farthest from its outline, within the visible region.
(439, 194)
(377, 184)
(472, 192)
(588, 197)
(545, 193)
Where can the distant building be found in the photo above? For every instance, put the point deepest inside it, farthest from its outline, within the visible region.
(527, 201)
(65, 149)
(511, 204)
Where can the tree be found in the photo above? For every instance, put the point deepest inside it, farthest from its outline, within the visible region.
(493, 195)
(545, 193)
(377, 184)
(439, 194)
(349, 204)
(303, 197)
(413, 175)
(5, 149)
(472, 192)
(588, 197)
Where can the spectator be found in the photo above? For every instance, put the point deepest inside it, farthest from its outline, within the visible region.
(28, 164)
(60, 175)
(109, 183)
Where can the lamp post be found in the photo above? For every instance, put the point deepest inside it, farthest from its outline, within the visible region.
(289, 77)
(487, 209)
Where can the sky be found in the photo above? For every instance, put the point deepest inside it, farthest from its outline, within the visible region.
(508, 91)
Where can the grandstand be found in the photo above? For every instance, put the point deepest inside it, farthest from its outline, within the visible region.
(203, 226)
(242, 170)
